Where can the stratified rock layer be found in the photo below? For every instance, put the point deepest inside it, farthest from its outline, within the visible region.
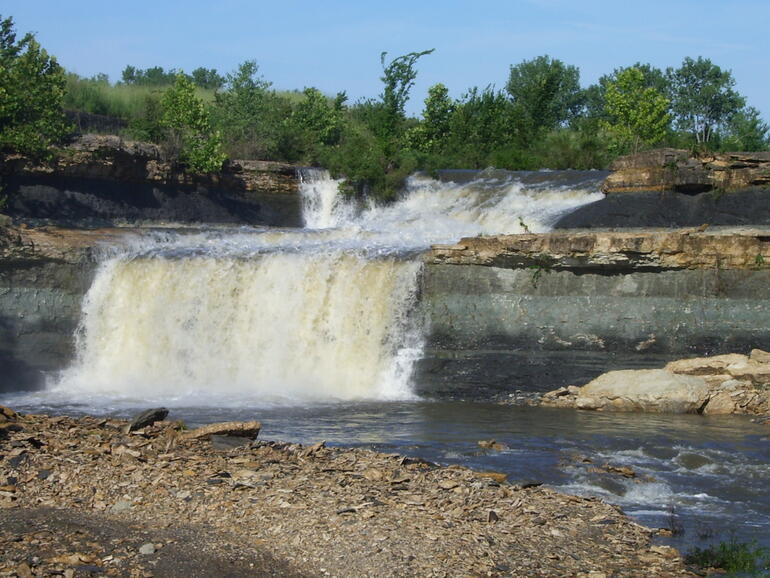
(677, 170)
(100, 180)
(672, 188)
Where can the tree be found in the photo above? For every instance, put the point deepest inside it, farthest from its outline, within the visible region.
(431, 133)
(594, 96)
(546, 91)
(398, 77)
(747, 131)
(32, 88)
(186, 121)
(702, 97)
(252, 118)
(207, 78)
(636, 113)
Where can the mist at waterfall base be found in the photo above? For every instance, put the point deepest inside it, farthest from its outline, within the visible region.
(314, 332)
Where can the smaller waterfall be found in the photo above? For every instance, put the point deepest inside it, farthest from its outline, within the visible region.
(323, 207)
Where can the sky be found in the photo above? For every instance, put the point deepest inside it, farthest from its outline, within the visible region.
(335, 45)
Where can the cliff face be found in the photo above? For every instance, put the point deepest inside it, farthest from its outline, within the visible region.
(677, 170)
(100, 180)
(672, 188)
(43, 277)
(498, 306)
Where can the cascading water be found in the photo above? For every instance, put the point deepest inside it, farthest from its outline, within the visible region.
(273, 316)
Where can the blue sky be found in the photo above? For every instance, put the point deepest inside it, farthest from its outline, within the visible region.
(335, 44)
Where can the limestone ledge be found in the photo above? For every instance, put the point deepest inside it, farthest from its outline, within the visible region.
(680, 171)
(23, 245)
(613, 251)
(113, 158)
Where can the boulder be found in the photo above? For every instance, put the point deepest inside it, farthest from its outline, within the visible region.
(653, 390)
(147, 417)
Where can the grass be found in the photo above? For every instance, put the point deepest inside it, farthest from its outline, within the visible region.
(736, 558)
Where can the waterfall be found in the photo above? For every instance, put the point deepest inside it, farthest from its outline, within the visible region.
(260, 316)
(280, 327)
(323, 207)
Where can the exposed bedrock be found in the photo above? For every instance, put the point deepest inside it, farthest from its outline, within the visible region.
(586, 300)
(672, 188)
(104, 180)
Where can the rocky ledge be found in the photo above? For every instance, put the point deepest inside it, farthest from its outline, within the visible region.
(678, 170)
(618, 251)
(722, 384)
(83, 495)
(98, 180)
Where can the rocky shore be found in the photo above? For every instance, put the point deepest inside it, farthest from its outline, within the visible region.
(81, 496)
(722, 384)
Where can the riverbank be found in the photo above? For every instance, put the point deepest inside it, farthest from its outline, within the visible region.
(300, 510)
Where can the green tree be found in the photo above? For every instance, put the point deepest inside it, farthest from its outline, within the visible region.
(637, 114)
(702, 97)
(32, 86)
(431, 133)
(746, 131)
(546, 91)
(252, 117)
(207, 78)
(398, 77)
(594, 96)
(189, 132)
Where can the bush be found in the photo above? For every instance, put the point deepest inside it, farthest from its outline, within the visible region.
(732, 556)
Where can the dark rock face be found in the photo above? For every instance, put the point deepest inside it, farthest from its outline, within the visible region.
(103, 180)
(672, 188)
(671, 209)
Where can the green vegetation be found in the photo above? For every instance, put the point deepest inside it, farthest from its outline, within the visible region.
(542, 118)
(31, 93)
(188, 132)
(745, 559)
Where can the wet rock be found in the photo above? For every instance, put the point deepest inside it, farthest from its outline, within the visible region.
(492, 445)
(147, 417)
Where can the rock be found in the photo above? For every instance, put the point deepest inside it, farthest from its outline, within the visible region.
(7, 414)
(147, 549)
(231, 428)
(497, 477)
(760, 356)
(715, 365)
(121, 506)
(679, 171)
(147, 417)
(654, 390)
(228, 442)
(756, 373)
(492, 445)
